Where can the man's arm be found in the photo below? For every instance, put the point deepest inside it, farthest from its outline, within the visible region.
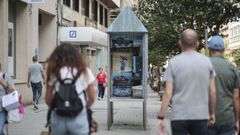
(43, 77)
(212, 100)
(29, 76)
(166, 98)
(236, 107)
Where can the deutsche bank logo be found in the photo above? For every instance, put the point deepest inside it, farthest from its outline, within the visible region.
(72, 34)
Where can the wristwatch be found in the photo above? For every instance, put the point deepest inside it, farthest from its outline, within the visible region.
(160, 117)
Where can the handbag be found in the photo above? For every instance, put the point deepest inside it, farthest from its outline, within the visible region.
(16, 115)
(13, 116)
(10, 101)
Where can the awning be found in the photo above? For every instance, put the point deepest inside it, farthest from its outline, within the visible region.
(83, 36)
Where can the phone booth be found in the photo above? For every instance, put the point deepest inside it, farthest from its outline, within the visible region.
(127, 62)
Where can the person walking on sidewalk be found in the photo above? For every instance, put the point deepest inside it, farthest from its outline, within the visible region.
(102, 80)
(69, 118)
(227, 86)
(35, 71)
(190, 84)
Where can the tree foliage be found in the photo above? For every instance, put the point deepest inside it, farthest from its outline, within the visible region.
(166, 19)
(236, 56)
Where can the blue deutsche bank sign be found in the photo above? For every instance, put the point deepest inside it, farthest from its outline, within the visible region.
(72, 34)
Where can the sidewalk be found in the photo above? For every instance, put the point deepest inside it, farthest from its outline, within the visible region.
(127, 119)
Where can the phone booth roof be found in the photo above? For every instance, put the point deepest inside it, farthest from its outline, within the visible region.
(127, 22)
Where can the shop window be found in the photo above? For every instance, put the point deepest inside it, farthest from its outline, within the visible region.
(106, 18)
(88, 53)
(95, 10)
(67, 3)
(76, 5)
(93, 53)
(85, 7)
(101, 14)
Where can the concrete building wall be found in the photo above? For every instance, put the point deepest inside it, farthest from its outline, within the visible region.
(23, 41)
(49, 6)
(47, 36)
(28, 37)
(89, 53)
(3, 33)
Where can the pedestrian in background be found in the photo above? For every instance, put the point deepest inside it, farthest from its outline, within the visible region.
(35, 72)
(189, 83)
(6, 86)
(227, 87)
(102, 82)
(66, 63)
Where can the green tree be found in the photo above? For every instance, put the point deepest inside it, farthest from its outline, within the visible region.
(236, 56)
(166, 19)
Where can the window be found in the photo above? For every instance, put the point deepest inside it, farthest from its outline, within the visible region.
(234, 31)
(231, 32)
(67, 3)
(101, 14)
(76, 5)
(95, 10)
(85, 7)
(106, 18)
(238, 29)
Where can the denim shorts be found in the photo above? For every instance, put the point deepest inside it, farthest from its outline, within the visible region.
(70, 126)
(3, 120)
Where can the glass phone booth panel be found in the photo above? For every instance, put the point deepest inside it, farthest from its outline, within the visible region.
(126, 65)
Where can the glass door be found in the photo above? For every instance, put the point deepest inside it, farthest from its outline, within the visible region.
(11, 49)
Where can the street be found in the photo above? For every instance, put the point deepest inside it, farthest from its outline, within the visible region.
(127, 119)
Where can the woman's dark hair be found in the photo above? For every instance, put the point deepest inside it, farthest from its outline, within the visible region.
(65, 55)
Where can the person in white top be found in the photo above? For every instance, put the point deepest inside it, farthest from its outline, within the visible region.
(66, 62)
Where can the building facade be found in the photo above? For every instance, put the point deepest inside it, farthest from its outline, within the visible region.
(234, 35)
(84, 24)
(28, 29)
(25, 30)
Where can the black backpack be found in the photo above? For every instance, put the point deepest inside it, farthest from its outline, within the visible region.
(66, 101)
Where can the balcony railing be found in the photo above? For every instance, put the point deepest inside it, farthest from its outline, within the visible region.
(234, 39)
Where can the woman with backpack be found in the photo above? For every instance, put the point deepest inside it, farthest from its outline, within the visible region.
(70, 91)
(6, 86)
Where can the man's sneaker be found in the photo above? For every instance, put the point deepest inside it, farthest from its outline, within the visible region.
(35, 106)
(99, 98)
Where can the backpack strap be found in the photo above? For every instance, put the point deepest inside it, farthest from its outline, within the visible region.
(75, 78)
(73, 81)
(4, 75)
